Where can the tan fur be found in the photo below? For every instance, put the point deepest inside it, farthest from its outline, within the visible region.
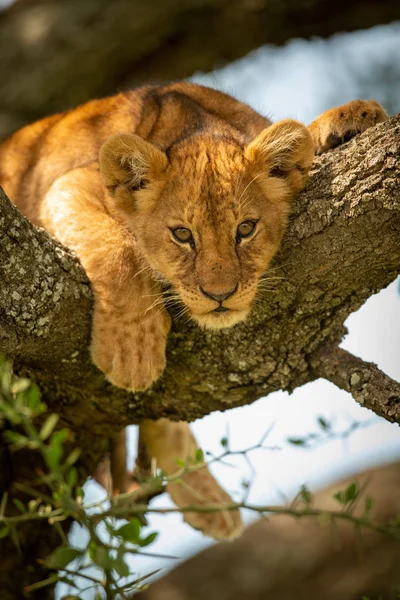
(114, 178)
(338, 125)
(170, 441)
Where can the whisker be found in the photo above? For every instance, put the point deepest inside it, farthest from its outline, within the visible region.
(146, 267)
(153, 316)
(247, 187)
(245, 203)
(152, 295)
(272, 278)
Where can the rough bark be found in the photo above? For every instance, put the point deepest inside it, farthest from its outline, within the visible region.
(286, 559)
(342, 245)
(365, 382)
(68, 52)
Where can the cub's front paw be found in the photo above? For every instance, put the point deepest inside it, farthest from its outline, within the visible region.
(200, 487)
(130, 350)
(338, 125)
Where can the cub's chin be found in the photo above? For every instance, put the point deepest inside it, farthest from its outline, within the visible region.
(220, 320)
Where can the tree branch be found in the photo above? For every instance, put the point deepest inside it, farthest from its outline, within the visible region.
(342, 245)
(56, 47)
(285, 559)
(368, 385)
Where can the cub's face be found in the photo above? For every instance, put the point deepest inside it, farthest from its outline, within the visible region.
(209, 217)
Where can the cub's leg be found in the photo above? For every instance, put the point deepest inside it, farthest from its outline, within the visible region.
(168, 441)
(130, 323)
(339, 125)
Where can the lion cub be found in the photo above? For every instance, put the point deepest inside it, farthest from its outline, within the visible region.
(178, 184)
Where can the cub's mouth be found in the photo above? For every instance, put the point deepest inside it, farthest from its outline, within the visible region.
(220, 318)
(221, 309)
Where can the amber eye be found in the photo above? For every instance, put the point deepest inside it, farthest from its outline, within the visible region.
(245, 230)
(183, 235)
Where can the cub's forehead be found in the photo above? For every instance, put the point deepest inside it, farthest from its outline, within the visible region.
(207, 173)
(207, 157)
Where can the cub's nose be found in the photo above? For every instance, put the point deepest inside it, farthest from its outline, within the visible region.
(217, 296)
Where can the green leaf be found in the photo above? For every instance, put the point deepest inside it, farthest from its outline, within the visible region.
(17, 439)
(181, 463)
(73, 457)
(5, 375)
(351, 492)
(55, 448)
(21, 507)
(4, 531)
(101, 558)
(297, 441)
(306, 495)
(91, 548)
(148, 539)
(59, 437)
(199, 456)
(224, 442)
(10, 413)
(323, 424)
(369, 502)
(120, 566)
(61, 557)
(340, 497)
(72, 477)
(48, 426)
(130, 532)
(33, 399)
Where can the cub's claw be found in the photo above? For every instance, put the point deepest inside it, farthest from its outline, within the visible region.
(339, 125)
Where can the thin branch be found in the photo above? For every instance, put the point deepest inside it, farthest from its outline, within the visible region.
(283, 558)
(368, 385)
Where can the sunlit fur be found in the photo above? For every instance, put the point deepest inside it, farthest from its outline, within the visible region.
(339, 124)
(209, 184)
(174, 155)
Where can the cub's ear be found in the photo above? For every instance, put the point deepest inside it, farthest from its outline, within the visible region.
(285, 151)
(129, 160)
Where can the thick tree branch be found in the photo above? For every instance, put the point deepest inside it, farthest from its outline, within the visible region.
(56, 47)
(287, 559)
(365, 382)
(343, 245)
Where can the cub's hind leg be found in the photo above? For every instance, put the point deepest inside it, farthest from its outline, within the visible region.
(338, 125)
(167, 442)
(130, 322)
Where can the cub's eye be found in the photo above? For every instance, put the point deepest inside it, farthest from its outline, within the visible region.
(183, 235)
(245, 230)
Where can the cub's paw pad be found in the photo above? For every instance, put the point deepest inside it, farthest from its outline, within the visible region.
(339, 125)
(200, 488)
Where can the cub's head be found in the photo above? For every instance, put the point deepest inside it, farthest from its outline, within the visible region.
(208, 215)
